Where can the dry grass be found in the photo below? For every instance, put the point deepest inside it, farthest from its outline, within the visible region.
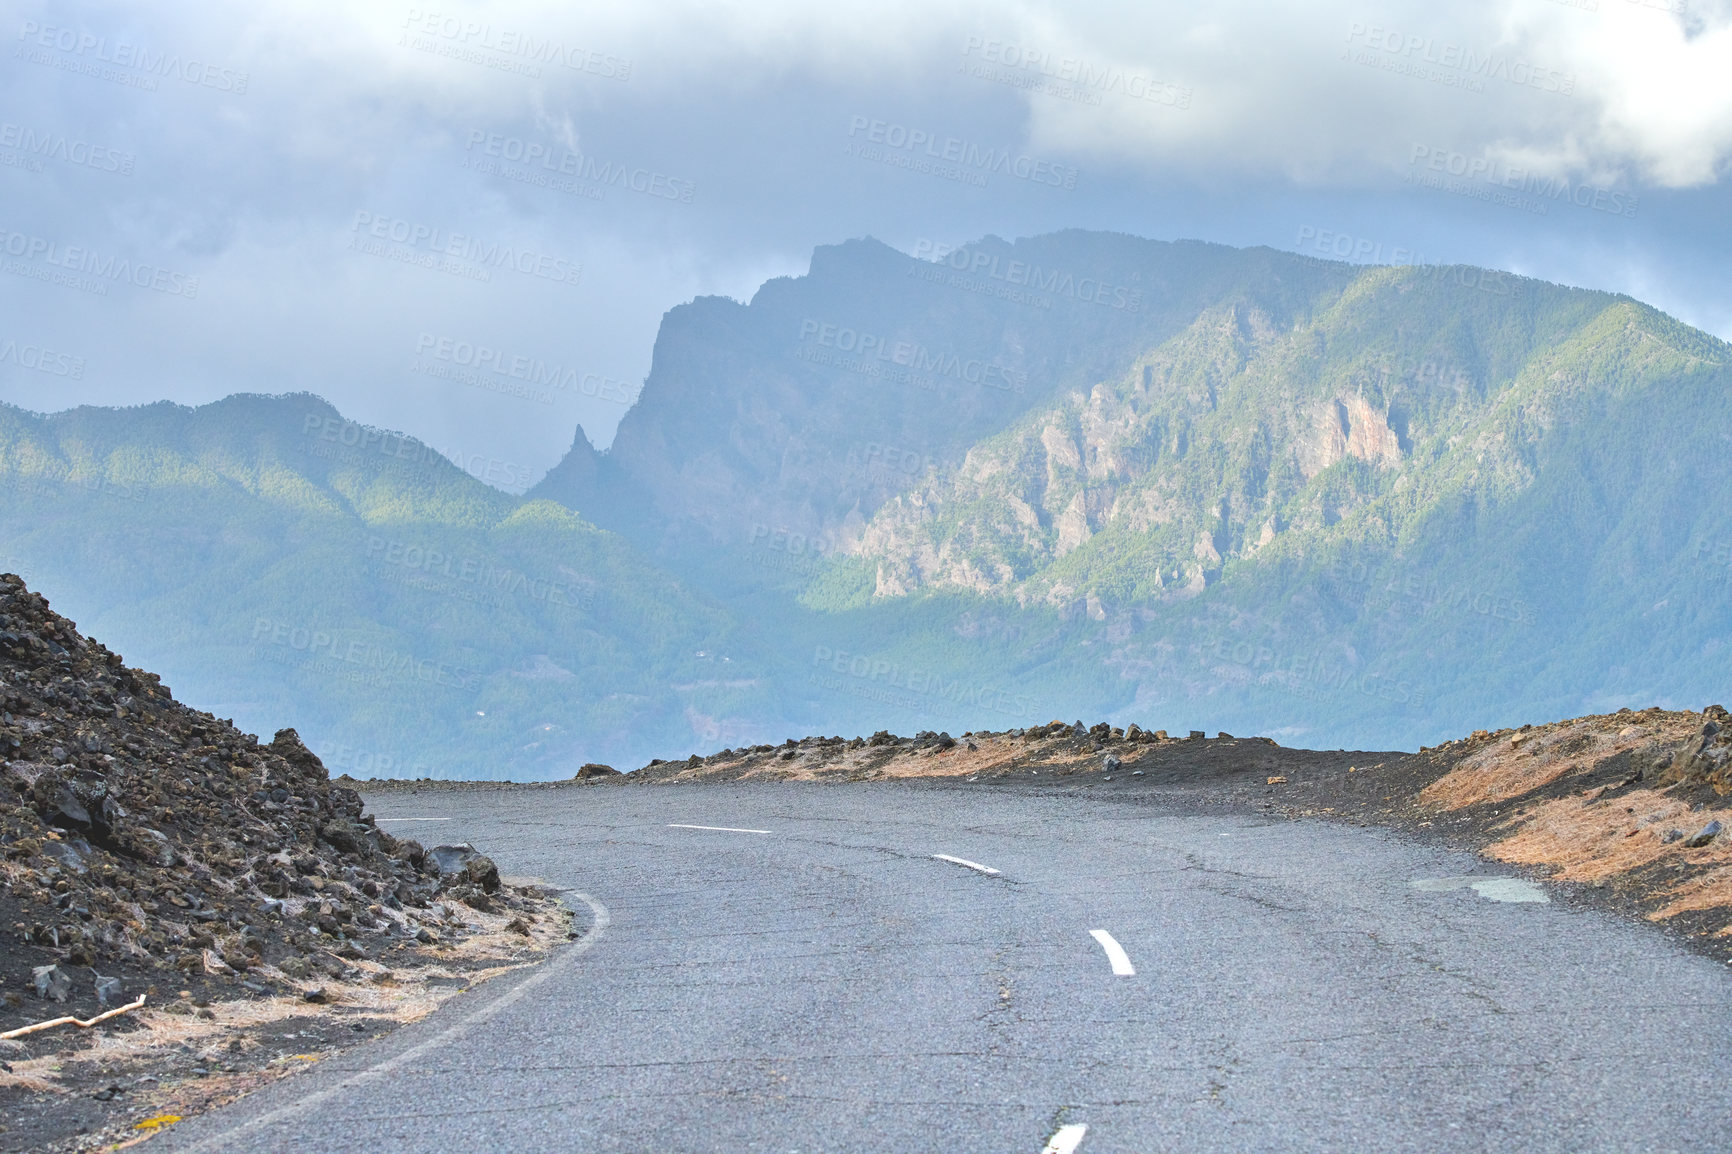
(160, 1033)
(395, 995)
(991, 756)
(34, 1077)
(1591, 840)
(1709, 891)
(1589, 836)
(1526, 760)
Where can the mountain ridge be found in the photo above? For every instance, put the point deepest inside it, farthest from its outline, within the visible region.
(1325, 502)
(275, 555)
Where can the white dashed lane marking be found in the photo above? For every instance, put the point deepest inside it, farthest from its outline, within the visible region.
(1120, 960)
(716, 828)
(962, 861)
(1066, 1139)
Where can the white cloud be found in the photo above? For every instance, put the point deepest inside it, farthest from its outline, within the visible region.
(1223, 120)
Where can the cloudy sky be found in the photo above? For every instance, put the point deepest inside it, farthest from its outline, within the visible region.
(394, 206)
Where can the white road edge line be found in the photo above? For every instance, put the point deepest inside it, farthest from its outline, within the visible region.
(962, 861)
(301, 1105)
(1115, 954)
(717, 828)
(1066, 1139)
(411, 819)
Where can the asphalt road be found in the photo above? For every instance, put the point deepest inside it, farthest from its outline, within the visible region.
(831, 984)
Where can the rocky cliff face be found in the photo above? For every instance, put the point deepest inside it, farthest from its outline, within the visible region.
(1239, 434)
(829, 395)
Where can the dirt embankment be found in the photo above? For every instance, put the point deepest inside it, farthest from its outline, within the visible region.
(151, 851)
(1055, 750)
(1631, 805)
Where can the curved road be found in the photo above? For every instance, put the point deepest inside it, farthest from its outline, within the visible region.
(834, 984)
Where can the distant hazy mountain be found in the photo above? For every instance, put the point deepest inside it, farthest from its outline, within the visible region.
(279, 563)
(830, 393)
(1082, 475)
(1241, 487)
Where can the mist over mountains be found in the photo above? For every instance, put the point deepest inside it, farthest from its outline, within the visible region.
(1082, 474)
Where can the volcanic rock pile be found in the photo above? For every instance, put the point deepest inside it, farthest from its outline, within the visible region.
(1058, 748)
(1076, 735)
(137, 833)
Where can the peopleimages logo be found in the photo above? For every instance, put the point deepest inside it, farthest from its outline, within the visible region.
(968, 158)
(524, 51)
(480, 572)
(889, 678)
(1423, 595)
(501, 474)
(349, 434)
(562, 162)
(1364, 250)
(1072, 78)
(53, 489)
(365, 763)
(57, 146)
(1019, 274)
(1521, 184)
(374, 663)
(42, 360)
(532, 371)
(992, 374)
(891, 459)
(89, 50)
(80, 262)
(1452, 64)
(437, 243)
(786, 541)
(1358, 249)
(1310, 675)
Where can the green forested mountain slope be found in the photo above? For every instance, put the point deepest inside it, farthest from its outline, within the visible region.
(1409, 393)
(281, 564)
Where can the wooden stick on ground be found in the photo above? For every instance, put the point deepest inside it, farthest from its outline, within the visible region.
(83, 1025)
